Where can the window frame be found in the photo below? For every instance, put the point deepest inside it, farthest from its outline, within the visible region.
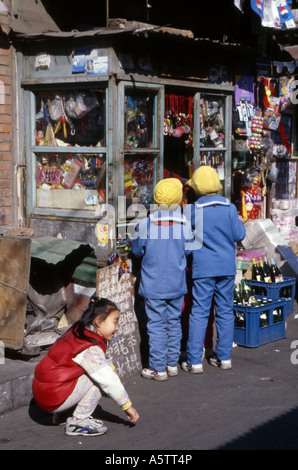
(157, 150)
(33, 149)
(226, 148)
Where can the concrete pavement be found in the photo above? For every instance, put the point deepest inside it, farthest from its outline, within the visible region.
(252, 406)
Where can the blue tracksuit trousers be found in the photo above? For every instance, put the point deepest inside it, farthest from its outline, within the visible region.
(222, 288)
(164, 331)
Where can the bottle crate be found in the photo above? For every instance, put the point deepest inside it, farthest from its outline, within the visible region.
(255, 326)
(275, 290)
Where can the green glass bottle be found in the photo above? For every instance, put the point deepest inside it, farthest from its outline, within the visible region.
(256, 274)
(276, 275)
(266, 267)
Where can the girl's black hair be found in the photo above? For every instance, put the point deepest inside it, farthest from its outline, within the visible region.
(97, 307)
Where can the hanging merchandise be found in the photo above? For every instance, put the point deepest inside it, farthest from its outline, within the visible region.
(62, 120)
(270, 102)
(239, 4)
(270, 17)
(255, 140)
(244, 104)
(258, 7)
(178, 117)
(245, 112)
(138, 122)
(211, 122)
(55, 108)
(272, 116)
(275, 14)
(252, 201)
(286, 90)
(245, 88)
(138, 179)
(49, 138)
(284, 11)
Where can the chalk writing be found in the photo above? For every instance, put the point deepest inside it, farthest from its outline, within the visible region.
(123, 350)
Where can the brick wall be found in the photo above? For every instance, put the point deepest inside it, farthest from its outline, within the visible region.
(7, 184)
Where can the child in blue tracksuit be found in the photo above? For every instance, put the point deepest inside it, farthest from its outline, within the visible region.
(162, 241)
(216, 227)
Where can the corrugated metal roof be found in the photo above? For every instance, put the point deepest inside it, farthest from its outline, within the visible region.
(116, 26)
(29, 16)
(130, 27)
(53, 250)
(80, 256)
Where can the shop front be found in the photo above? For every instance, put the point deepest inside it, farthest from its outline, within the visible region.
(104, 115)
(101, 124)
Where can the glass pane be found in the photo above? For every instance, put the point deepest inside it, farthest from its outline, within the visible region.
(178, 134)
(216, 160)
(73, 117)
(212, 125)
(139, 119)
(138, 178)
(68, 181)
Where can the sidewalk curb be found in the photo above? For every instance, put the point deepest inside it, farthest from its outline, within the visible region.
(16, 377)
(15, 393)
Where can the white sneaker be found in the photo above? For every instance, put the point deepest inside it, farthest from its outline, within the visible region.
(192, 368)
(172, 371)
(225, 365)
(84, 427)
(153, 374)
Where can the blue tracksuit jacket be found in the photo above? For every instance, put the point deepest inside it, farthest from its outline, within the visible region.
(161, 239)
(217, 227)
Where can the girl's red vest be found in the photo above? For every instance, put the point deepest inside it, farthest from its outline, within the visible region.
(56, 375)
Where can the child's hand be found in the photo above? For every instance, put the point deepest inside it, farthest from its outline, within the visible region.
(132, 414)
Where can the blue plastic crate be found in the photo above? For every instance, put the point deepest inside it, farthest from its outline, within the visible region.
(276, 290)
(255, 326)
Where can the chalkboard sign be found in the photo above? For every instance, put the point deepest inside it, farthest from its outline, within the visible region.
(124, 349)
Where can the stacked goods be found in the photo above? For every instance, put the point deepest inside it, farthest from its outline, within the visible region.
(258, 319)
(263, 234)
(268, 281)
(284, 213)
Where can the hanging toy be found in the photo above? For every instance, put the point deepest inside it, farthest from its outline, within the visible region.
(62, 120)
(255, 140)
(286, 88)
(252, 202)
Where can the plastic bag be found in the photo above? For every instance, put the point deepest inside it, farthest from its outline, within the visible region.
(81, 105)
(273, 173)
(70, 107)
(56, 108)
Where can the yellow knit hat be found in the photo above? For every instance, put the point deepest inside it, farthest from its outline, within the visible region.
(205, 180)
(168, 192)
